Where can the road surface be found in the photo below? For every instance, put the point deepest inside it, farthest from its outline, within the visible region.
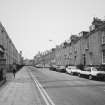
(41, 86)
(64, 89)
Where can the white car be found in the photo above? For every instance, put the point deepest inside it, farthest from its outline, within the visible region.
(72, 70)
(93, 72)
(68, 69)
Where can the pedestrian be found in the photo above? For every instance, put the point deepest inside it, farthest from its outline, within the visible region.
(14, 70)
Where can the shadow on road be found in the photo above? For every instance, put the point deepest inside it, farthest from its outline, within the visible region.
(78, 85)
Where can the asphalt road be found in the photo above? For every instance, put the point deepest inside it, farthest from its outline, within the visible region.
(64, 89)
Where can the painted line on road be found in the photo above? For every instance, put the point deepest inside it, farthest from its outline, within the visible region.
(44, 94)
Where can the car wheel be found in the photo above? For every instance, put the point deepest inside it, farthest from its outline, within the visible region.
(90, 77)
(71, 73)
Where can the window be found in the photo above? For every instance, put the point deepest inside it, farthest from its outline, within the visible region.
(88, 69)
(103, 57)
(94, 69)
(103, 37)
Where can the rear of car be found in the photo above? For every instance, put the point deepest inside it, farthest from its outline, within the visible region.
(86, 72)
(61, 69)
(53, 67)
(73, 70)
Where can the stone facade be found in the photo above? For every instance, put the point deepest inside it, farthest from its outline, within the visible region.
(88, 48)
(10, 51)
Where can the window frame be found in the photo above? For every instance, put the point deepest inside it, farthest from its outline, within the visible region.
(103, 57)
(103, 35)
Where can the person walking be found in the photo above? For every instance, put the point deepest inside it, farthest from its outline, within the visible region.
(14, 70)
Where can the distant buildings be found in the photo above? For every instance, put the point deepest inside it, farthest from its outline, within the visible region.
(87, 48)
(28, 62)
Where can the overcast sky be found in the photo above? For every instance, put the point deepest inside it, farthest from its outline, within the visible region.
(39, 25)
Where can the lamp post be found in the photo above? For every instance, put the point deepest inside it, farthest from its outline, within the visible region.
(84, 57)
(86, 50)
(51, 53)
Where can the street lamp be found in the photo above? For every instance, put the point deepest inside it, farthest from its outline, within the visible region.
(84, 56)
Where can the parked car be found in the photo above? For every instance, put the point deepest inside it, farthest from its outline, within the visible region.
(53, 67)
(68, 69)
(72, 70)
(61, 69)
(92, 72)
(46, 66)
(38, 66)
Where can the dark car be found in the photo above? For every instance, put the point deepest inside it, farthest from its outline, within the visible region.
(61, 69)
(53, 67)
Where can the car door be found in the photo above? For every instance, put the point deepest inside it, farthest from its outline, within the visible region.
(87, 71)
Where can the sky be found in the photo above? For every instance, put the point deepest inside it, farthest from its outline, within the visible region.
(39, 25)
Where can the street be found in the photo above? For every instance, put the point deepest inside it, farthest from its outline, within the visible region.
(52, 52)
(64, 89)
(41, 86)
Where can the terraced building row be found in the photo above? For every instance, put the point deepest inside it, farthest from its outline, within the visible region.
(8, 51)
(87, 48)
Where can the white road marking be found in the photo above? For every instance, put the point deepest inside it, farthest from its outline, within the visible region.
(44, 94)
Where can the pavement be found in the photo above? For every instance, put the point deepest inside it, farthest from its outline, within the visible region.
(2, 82)
(20, 90)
